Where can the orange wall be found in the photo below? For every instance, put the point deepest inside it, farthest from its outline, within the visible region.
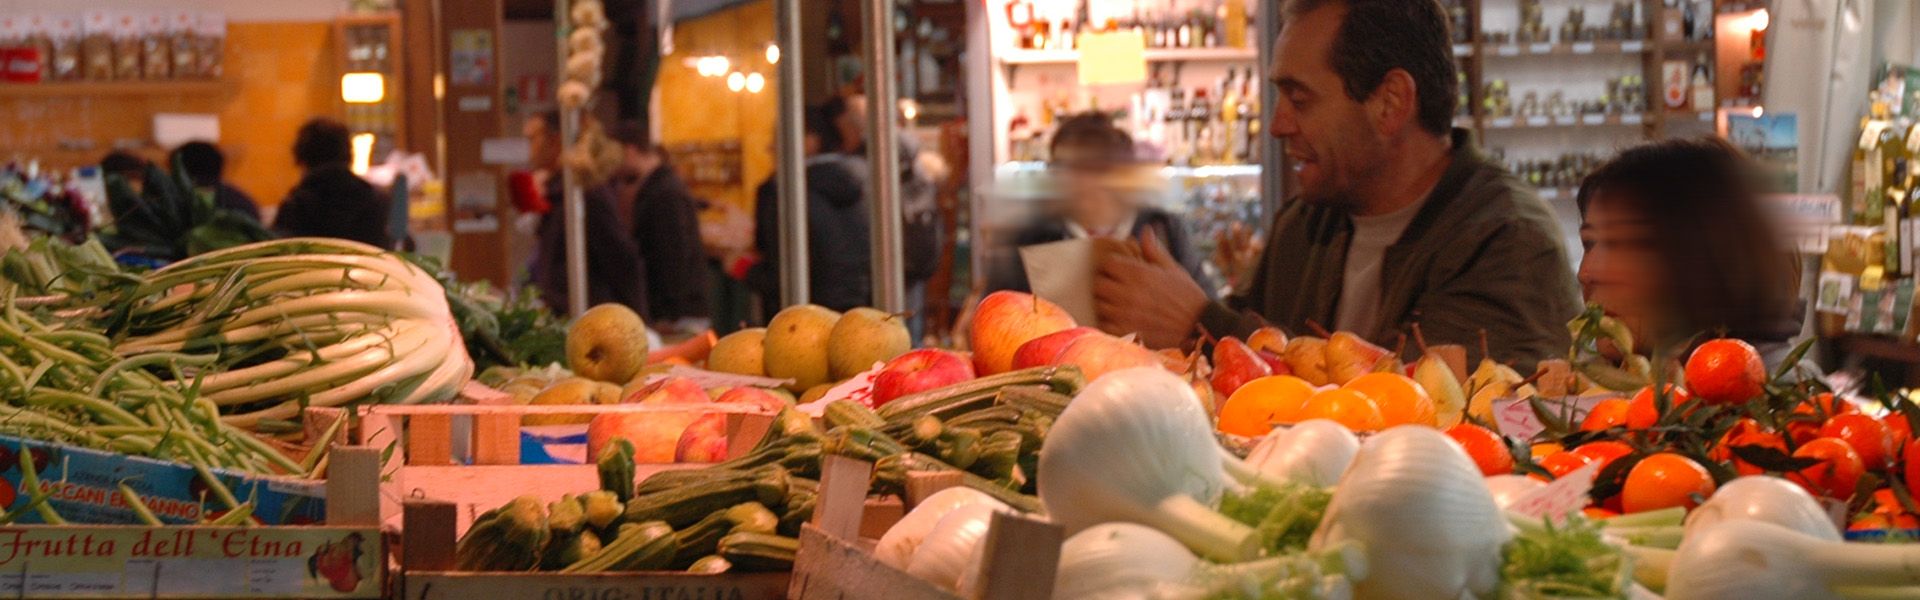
(277, 75)
(695, 108)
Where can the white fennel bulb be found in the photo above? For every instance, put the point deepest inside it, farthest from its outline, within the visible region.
(943, 555)
(898, 544)
(1112, 561)
(1757, 560)
(1135, 446)
(1767, 499)
(1429, 527)
(1314, 452)
(1508, 488)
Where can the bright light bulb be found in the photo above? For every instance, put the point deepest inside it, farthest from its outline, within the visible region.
(363, 88)
(1759, 20)
(362, 153)
(736, 80)
(755, 83)
(721, 65)
(1759, 110)
(773, 54)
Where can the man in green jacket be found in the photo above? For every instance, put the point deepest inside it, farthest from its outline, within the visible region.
(1398, 219)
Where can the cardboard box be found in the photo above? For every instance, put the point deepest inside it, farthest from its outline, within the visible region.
(84, 484)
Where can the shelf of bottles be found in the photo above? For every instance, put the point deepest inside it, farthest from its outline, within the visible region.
(1867, 279)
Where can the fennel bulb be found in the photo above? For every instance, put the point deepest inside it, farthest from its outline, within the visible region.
(1429, 527)
(897, 546)
(1315, 452)
(1136, 446)
(1766, 499)
(1757, 560)
(949, 547)
(1125, 561)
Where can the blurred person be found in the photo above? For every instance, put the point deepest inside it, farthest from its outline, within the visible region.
(838, 257)
(615, 271)
(330, 200)
(207, 167)
(1398, 218)
(125, 164)
(542, 131)
(663, 218)
(1679, 248)
(919, 211)
(1092, 161)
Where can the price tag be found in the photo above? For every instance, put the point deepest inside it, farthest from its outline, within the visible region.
(1565, 496)
(1538, 121)
(1540, 48)
(1564, 120)
(1593, 119)
(1633, 46)
(1583, 48)
(1633, 119)
(1508, 50)
(1462, 50)
(1500, 122)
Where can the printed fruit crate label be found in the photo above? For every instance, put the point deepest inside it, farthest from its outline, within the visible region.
(1514, 416)
(83, 486)
(190, 562)
(1566, 495)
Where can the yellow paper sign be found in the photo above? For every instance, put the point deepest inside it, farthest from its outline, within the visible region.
(1112, 58)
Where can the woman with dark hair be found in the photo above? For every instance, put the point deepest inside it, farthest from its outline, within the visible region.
(1096, 168)
(1679, 248)
(330, 200)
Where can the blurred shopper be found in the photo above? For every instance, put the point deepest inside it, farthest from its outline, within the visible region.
(125, 164)
(207, 167)
(663, 216)
(1679, 248)
(1398, 218)
(542, 131)
(615, 272)
(330, 200)
(1094, 164)
(838, 258)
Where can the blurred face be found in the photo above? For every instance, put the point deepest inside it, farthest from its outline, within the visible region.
(1622, 270)
(1328, 137)
(1091, 199)
(543, 146)
(853, 123)
(638, 163)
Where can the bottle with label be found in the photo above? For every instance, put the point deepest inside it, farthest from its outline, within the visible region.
(1893, 156)
(1872, 175)
(1176, 121)
(1020, 18)
(1199, 128)
(1227, 123)
(1250, 112)
(1702, 86)
(1896, 213)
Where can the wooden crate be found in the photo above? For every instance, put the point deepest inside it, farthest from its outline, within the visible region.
(278, 562)
(427, 573)
(836, 562)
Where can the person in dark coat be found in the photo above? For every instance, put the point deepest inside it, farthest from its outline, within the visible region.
(615, 273)
(330, 200)
(663, 218)
(839, 276)
(207, 167)
(1091, 160)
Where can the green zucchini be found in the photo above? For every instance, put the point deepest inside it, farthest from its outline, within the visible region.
(572, 549)
(616, 469)
(759, 551)
(710, 565)
(645, 546)
(508, 538)
(566, 516)
(847, 413)
(1064, 379)
(601, 508)
(683, 507)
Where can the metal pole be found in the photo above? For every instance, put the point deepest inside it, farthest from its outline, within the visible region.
(889, 284)
(1273, 160)
(792, 170)
(574, 206)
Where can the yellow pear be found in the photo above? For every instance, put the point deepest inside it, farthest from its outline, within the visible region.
(862, 337)
(742, 353)
(1436, 377)
(1307, 357)
(1349, 357)
(796, 345)
(608, 343)
(572, 391)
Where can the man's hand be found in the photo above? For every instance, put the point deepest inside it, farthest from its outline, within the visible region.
(1151, 295)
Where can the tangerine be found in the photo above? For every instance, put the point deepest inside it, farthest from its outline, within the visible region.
(1838, 472)
(1253, 409)
(1725, 371)
(1563, 462)
(1608, 414)
(1401, 399)
(1867, 435)
(1644, 413)
(1664, 480)
(1603, 452)
(1346, 407)
(1487, 449)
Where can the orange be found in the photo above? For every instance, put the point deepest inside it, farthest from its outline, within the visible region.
(1253, 409)
(1401, 399)
(1665, 480)
(1604, 451)
(1563, 462)
(1346, 407)
(1725, 371)
(1838, 472)
(1868, 437)
(1598, 513)
(1805, 421)
(1487, 449)
(1542, 449)
(1608, 414)
(1643, 413)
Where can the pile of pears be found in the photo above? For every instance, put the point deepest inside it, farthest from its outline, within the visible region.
(1441, 371)
(813, 347)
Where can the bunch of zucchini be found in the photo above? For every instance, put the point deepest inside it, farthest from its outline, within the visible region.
(745, 514)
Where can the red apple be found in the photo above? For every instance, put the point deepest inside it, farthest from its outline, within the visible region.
(919, 371)
(1275, 363)
(655, 435)
(1040, 351)
(1006, 320)
(1100, 354)
(704, 441)
(1235, 364)
(753, 396)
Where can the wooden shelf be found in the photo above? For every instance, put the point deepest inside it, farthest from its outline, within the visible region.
(1061, 57)
(1595, 48)
(1498, 123)
(116, 88)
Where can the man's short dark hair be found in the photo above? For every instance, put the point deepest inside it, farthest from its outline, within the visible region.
(1097, 138)
(1378, 36)
(322, 142)
(202, 161)
(123, 163)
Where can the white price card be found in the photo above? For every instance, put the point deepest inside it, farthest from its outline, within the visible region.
(1508, 50)
(1537, 121)
(1501, 122)
(1633, 119)
(1593, 119)
(1583, 48)
(1633, 46)
(1540, 48)
(1564, 496)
